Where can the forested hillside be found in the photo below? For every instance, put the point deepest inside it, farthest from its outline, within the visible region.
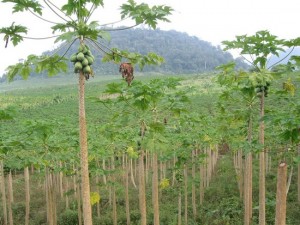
(183, 54)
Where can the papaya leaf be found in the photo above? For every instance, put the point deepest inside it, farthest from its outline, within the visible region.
(51, 64)
(296, 59)
(77, 8)
(97, 2)
(114, 88)
(294, 42)
(157, 127)
(260, 46)
(24, 5)
(142, 13)
(104, 35)
(13, 33)
(68, 36)
(13, 70)
(63, 27)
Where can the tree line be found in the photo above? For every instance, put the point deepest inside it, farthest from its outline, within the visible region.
(183, 54)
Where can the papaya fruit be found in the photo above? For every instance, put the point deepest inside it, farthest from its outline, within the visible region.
(87, 69)
(80, 48)
(90, 60)
(85, 62)
(80, 56)
(78, 66)
(73, 58)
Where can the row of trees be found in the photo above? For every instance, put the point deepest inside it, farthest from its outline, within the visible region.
(134, 140)
(247, 87)
(152, 122)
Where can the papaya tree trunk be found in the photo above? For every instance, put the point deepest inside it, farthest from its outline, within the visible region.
(248, 178)
(127, 190)
(238, 165)
(98, 190)
(185, 177)
(3, 194)
(298, 176)
(179, 207)
(27, 195)
(114, 200)
(262, 162)
(155, 190)
(10, 198)
(289, 180)
(78, 196)
(147, 166)
(193, 185)
(202, 183)
(174, 172)
(280, 218)
(142, 189)
(10, 183)
(51, 197)
(86, 202)
(61, 188)
(66, 189)
(104, 168)
(132, 174)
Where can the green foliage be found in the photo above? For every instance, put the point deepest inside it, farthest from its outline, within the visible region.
(142, 13)
(112, 129)
(51, 64)
(7, 114)
(135, 58)
(79, 8)
(68, 217)
(259, 46)
(13, 33)
(23, 5)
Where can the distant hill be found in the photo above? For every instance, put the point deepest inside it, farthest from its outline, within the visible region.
(183, 54)
(284, 56)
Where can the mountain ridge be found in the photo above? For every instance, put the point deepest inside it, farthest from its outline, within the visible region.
(183, 54)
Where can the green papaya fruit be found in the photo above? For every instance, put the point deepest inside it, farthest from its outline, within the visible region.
(84, 50)
(88, 53)
(80, 56)
(87, 69)
(85, 62)
(73, 58)
(78, 66)
(80, 48)
(90, 60)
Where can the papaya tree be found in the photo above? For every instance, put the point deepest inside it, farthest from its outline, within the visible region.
(256, 49)
(73, 25)
(151, 104)
(6, 115)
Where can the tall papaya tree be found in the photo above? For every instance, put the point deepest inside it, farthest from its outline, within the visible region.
(75, 27)
(257, 49)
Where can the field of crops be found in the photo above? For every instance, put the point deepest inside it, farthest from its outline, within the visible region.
(193, 143)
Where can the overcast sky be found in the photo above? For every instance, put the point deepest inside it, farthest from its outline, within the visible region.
(210, 20)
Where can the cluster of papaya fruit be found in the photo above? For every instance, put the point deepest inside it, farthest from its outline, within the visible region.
(83, 59)
(262, 89)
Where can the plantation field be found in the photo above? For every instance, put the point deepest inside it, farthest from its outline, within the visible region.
(183, 125)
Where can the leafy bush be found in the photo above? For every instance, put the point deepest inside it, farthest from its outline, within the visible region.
(69, 217)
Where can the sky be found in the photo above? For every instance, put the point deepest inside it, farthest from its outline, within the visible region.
(209, 20)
